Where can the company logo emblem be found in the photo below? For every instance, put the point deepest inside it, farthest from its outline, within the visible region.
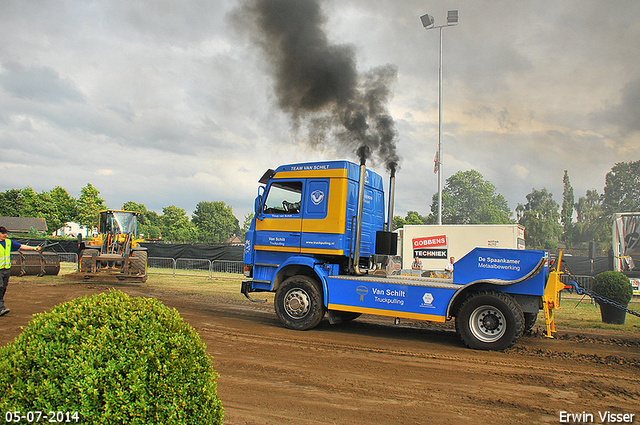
(317, 196)
(362, 290)
(427, 300)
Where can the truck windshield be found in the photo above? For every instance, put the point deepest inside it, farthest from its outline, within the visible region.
(283, 198)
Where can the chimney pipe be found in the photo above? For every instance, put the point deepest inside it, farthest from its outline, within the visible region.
(356, 251)
(392, 196)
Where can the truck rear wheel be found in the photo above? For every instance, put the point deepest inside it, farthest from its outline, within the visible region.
(298, 303)
(490, 320)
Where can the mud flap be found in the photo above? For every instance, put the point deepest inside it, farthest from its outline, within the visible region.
(246, 288)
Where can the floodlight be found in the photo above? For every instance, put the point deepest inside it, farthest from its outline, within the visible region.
(452, 17)
(427, 21)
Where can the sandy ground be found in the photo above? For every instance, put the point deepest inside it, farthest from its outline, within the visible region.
(371, 371)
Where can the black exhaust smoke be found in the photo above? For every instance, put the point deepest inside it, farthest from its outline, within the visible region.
(317, 83)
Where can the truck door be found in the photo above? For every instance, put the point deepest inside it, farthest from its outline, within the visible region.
(281, 225)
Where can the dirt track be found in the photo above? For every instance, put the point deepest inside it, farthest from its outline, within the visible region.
(370, 371)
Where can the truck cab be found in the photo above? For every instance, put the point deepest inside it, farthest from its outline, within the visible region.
(305, 214)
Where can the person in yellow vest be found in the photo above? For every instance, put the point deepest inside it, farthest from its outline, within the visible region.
(6, 246)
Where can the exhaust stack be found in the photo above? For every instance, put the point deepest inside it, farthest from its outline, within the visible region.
(356, 251)
(392, 196)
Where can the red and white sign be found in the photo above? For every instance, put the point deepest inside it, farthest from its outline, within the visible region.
(430, 242)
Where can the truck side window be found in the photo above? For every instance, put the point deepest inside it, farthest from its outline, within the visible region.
(283, 198)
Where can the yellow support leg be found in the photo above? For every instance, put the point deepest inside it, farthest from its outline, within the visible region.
(551, 298)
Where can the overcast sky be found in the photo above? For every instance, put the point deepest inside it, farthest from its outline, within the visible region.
(168, 102)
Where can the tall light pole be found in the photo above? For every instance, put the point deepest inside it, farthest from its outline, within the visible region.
(428, 23)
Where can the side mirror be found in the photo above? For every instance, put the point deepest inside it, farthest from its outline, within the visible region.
(140, 218)
(259, 214)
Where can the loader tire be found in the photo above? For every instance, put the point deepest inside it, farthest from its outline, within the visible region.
(299, 303)
(138, 263)
(85, 265)
(489, 320)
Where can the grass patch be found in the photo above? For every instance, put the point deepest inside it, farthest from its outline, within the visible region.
(579, 312)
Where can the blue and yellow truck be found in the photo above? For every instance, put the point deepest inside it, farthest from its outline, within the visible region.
(319, 238)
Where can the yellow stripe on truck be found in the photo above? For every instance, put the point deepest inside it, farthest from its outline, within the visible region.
(277, 248)
(391, 313)
(322, 251)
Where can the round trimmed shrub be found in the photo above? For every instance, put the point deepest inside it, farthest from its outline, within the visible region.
(614, 286)
(114, 359)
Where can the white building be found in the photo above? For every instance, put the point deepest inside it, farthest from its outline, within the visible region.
(70, 229)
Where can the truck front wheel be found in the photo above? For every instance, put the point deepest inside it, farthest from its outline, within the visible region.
(298, 303)
(490, 320)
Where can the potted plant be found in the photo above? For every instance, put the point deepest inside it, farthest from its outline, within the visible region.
(614, 286)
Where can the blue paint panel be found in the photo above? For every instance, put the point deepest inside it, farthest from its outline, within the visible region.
(324, 241)
(278, 239)
(372, 214)
(503, 264)
(264, 273)
(271, 257)
(388, 296)
(248, 245)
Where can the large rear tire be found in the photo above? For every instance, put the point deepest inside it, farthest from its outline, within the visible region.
(139, 262)
(298, 303)
(490, 320)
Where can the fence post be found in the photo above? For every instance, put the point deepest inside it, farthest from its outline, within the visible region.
(174, 267)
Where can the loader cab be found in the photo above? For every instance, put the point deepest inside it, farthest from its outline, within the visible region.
(119, 222)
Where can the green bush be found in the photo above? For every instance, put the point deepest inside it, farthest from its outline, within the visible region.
(113, 359)
(614, 286)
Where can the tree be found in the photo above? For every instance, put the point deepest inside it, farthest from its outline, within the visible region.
(592, 224)
(40, 205)
(412, 217)
(11, 203)
(66, 204)
(398, 222)
(151, 229)
(540, 217)
(566, 216)
(469, 199)
(215, 221)
(47, 208)
(176, 226)
(29, 207)
(622, 188)
(89, 205)
(246, 225)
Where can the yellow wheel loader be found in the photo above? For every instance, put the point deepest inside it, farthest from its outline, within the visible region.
(114, 254)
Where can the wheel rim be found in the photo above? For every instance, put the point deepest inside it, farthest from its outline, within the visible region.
(487, 323)
(297, 303)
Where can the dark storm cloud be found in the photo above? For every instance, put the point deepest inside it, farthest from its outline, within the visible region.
(317, 83)
(39, 83)
(626, 115)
